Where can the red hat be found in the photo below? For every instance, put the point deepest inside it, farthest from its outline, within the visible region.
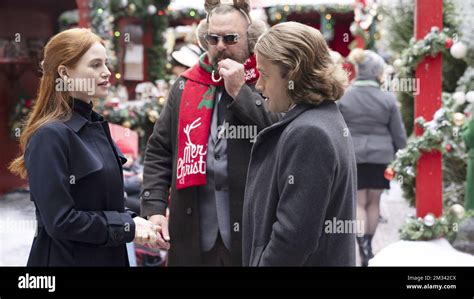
(125, 147)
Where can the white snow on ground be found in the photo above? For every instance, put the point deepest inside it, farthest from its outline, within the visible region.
(17, 228)
(421, 253)
(389, 250)
(394, 209)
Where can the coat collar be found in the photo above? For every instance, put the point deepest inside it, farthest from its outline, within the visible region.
(82, 107)
(292, 114)
(76, 121)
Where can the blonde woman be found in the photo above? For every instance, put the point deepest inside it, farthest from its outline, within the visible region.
(73, 166)
(302, 173)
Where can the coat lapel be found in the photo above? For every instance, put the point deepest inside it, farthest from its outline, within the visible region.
(289, 117)
(76, 122)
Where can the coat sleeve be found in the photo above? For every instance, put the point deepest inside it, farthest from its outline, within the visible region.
(46, 160)
(250, 108)
(397, 129)
(157, 171)
(304, 185)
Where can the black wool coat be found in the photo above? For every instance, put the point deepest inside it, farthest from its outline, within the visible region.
(76, 184)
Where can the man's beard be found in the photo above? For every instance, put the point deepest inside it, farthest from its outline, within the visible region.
(223, 55)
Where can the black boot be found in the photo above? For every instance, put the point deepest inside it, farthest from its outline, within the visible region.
(369, 245)
(363, 252)
(365, 249)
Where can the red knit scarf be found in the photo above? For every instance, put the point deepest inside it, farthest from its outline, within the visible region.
(195, 114)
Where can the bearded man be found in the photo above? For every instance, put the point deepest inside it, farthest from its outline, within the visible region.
(190, 167)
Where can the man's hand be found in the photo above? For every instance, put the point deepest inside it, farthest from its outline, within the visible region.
(233, 74)
(145, 231)
(163, 235)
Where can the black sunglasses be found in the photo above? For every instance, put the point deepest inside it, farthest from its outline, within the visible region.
(228, 39)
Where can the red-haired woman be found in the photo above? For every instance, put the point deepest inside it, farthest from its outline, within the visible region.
(73, 166)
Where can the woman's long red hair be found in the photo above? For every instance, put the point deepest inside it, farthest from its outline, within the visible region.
(65, 48)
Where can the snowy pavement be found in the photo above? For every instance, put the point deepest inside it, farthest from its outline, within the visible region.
(395, 209)
(17, 228)
(17, 224)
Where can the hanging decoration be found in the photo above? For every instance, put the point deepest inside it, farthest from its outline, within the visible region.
(366, 15)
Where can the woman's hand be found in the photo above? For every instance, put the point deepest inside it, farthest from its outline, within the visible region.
(145, 231)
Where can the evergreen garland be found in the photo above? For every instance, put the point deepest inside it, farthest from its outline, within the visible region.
(441, 134)
(430, 227)
(400, 18)
(153, 13)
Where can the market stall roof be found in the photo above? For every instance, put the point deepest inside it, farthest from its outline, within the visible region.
(199, 4)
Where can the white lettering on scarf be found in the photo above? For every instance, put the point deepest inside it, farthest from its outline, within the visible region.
(193, 157)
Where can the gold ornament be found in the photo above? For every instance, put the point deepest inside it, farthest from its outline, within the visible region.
(161, 100)
(457, 210)
(458, 119)
(132, 8)
(152, 116)
(126, 124)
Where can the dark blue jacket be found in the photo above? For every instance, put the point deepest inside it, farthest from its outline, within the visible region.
(76, 184)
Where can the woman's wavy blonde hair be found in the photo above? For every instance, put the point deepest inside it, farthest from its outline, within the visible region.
(303, 57)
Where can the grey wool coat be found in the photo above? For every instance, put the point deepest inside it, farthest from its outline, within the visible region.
(302, 177)
(375, 123)
(159, 178)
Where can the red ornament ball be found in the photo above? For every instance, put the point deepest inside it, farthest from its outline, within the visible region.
(389, 174)
(449, 43)
(449, 147)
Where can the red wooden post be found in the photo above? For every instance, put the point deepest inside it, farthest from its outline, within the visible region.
(83, 7)
(429, 181)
